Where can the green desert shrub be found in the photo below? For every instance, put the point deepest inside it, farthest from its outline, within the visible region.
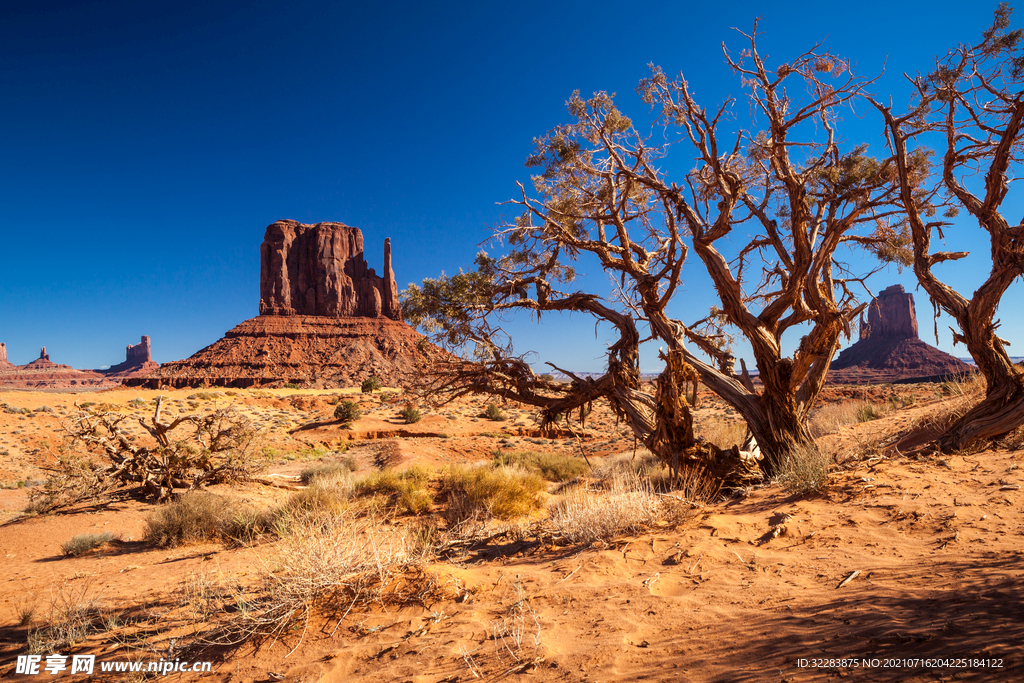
(79, 545)
(292, 385)
(493, 412)
(502, 492)
(195, 517)
(551, 466)
(405, 490)
(347, 412)
(410, 414)
(370, 385)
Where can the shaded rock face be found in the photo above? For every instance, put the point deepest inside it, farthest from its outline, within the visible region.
(889, 348)
(320, 270)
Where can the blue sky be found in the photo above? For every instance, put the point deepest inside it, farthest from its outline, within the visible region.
(147, 146)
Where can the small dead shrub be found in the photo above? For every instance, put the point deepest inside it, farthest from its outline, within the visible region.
(195, 517)
(191, 451)
(79, 545)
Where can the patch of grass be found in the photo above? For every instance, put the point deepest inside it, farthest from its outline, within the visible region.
(79, 545)
(502, 492)
(347, 412)
(551, 466)
(626, 503)
(493, 412)
(195, 517)
(406, 490)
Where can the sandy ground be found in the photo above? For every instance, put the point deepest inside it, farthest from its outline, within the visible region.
(752, 588)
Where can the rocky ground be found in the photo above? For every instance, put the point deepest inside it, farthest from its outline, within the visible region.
(905, 568)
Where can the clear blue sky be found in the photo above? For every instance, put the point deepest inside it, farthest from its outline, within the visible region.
(147, 145)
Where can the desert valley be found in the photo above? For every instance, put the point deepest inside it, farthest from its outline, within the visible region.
(701, 371)
(367, 534)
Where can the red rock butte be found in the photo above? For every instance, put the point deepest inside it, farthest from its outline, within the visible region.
(326, 320)
(42, 373)
(889, 349)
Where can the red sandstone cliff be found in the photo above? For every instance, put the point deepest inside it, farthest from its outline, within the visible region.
(320, 270)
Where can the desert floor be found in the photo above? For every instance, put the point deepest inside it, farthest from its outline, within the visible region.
(749, 587)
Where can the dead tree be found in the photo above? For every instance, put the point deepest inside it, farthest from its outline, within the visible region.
(187, 453)
(973, 103)
(601, 194)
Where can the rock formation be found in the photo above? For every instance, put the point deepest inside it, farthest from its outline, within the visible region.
(326, 320)
(42, 373)
(889, 349)
(320, 270)
(137, 361)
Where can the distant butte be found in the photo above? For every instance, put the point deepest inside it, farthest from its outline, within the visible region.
(42, 373)
(889, 348)
(137, 360)
(326, 320)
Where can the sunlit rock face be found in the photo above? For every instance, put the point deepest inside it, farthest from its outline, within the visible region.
(320, 270)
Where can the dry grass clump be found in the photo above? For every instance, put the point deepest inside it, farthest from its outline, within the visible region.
(74, 614)
(79, 545)
(327, 565)
(503, 492)
(963, 395)
(339, 468)
(626, 503)
(405, 490)
(723, 433)
(551, 466)
(805, 470)
(195, 517)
